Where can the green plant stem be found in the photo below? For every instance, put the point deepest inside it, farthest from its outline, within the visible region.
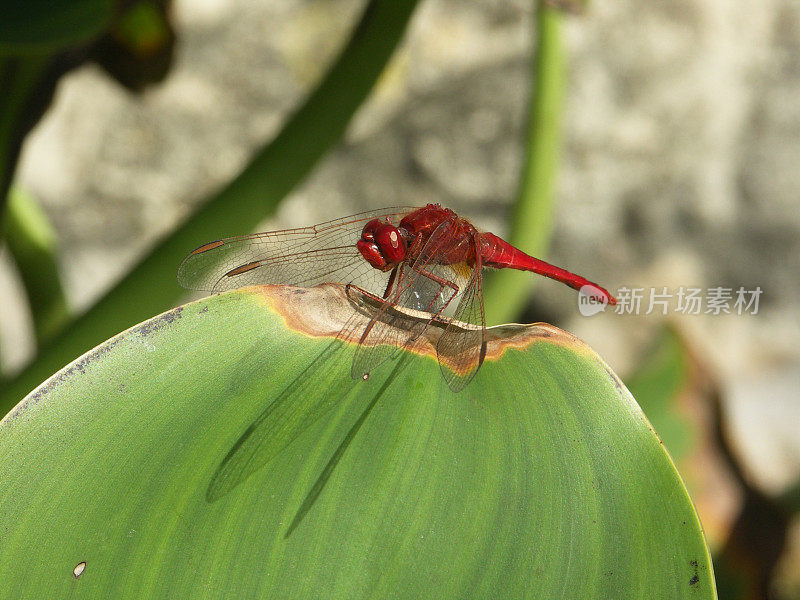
(532, 216)
(31, 242)
(253, 195)
(19, 78)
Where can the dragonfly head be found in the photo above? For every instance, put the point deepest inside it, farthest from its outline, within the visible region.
(382, 244)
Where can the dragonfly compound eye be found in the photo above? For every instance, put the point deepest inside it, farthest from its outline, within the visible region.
(368, 233)
(371, 252)
(391, 243)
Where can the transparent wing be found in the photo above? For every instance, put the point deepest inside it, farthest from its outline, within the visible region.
(388, 331)
(461, 350)
(425, 285)
(305, 257)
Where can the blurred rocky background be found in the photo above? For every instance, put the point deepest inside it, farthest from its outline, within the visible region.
(680, 167)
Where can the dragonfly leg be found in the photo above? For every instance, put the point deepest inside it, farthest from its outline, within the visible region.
(389, 285)
(371, 296)
(374, 297)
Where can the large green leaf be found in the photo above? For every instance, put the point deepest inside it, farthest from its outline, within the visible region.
(542, 479)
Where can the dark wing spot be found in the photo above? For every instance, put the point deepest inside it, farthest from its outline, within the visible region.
(207, 247)
(243, 268)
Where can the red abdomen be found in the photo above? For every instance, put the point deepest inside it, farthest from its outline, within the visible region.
(498, 253)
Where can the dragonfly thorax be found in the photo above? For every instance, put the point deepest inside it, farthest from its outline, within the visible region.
(382, 244)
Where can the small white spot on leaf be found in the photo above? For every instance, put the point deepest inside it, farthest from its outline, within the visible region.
(79, 568)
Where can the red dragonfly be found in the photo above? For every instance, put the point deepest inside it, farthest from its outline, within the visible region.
(426, 259)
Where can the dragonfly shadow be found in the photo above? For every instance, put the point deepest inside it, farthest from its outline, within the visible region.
(324, 476)
(321, 386)
(301, 404)
(306, 399)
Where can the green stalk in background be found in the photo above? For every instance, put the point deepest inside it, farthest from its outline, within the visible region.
(532, 216)
(19, 78)
(31, 242)
(252, 196)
